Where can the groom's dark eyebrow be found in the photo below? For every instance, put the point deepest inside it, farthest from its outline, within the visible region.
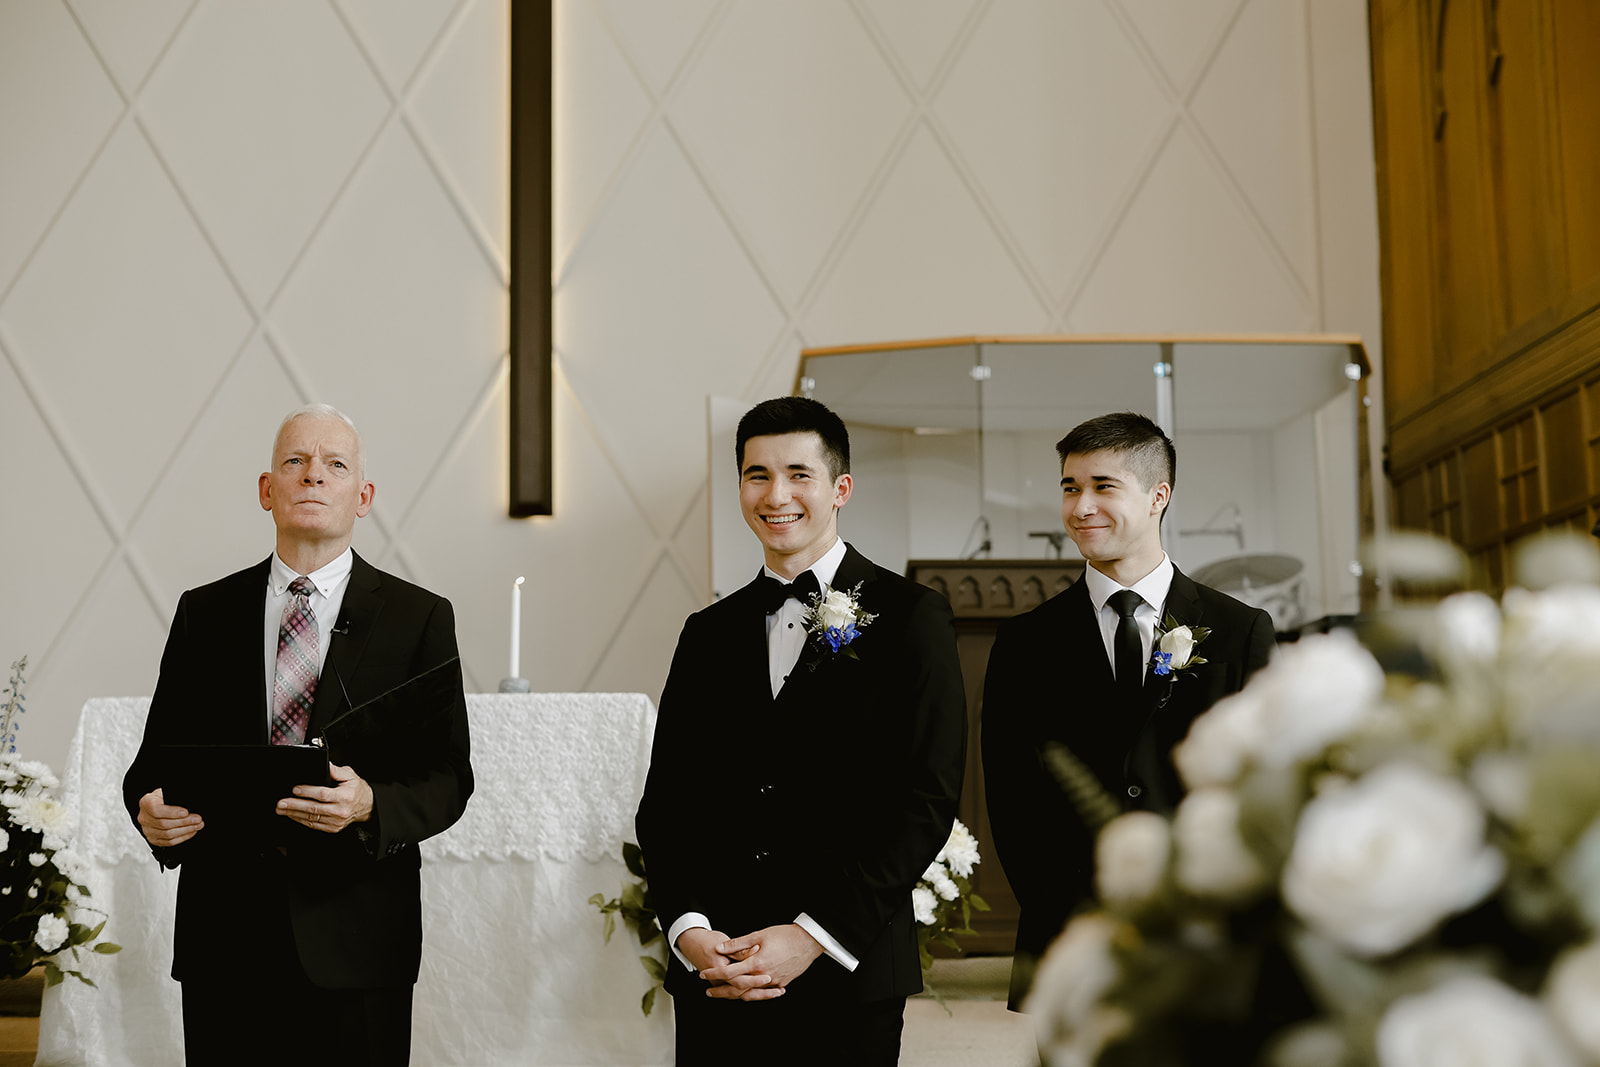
(1069, 480)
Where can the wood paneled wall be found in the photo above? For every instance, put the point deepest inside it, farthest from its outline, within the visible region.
(1488, 146)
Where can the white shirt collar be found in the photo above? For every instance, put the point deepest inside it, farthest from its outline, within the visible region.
(1152, 588)
(326, 578)
(824, 568)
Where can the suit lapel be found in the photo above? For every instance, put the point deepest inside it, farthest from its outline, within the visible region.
(815, 663)
(358, 616)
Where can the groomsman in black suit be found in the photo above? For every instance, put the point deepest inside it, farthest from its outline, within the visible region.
(1077, 671)
(798, 790)
(303, 945)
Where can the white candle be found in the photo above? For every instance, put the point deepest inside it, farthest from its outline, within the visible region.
(516, 628)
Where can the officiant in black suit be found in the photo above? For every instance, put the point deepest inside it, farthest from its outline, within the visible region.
(1077, 671)
(797, 791)
(304, 951)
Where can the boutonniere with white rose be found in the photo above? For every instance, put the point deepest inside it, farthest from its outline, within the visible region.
(836, 618)
(1175, 647)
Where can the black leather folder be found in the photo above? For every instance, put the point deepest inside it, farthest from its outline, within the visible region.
(398, 730)
(236, 788)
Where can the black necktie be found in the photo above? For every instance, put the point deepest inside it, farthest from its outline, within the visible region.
(775, 592)
(1128, 648)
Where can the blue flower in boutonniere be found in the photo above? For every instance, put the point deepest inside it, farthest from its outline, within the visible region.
(835, 618)
(1175, 647)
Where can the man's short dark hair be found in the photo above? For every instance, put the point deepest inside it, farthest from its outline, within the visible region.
(1149, 452)
(797, 414)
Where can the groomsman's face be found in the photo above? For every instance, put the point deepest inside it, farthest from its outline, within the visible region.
(790, 500)
(1108, 513)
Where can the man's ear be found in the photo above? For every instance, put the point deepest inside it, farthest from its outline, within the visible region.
(1161, 498)
(264, 491)
(841, 490)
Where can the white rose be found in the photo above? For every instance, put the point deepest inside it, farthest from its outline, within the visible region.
(1377, 864)
(1319, 690)
(1470, 1021)
(836, 611)
(924, 905)
(960, 851)
(1221, 742)
(1179, 644)
(1572, 992)
(1130, 856)
(1076, 971)
(1212, 857)
(1466, 631)
(52, 932)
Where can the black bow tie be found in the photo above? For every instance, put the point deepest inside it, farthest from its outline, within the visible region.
(774, 593)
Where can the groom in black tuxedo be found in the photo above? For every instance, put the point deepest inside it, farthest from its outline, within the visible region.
(797, 791)
(1077, 671)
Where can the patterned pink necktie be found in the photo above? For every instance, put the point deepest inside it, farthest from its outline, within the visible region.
(296, 680)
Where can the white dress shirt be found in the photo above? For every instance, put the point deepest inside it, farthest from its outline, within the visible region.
(1152, 590)
(786, 639)
(326, 600)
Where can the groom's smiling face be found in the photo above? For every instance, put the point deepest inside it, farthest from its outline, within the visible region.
(791, 499)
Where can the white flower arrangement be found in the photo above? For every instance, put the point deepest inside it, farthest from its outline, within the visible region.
(1370, 869)
(1175, 646)
(942, 902)
(42, 895)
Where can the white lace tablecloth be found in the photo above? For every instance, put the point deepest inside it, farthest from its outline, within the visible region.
(513, 968)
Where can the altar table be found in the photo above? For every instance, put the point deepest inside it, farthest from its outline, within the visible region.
(513, 967)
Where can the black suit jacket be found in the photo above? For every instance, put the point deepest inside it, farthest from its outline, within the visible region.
(354, 901)
(1049, 680)
(831, 799)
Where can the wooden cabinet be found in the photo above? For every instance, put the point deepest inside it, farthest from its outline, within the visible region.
(1488, 151)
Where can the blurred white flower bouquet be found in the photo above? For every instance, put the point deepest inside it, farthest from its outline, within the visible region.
(1368, 869)
(41, 888)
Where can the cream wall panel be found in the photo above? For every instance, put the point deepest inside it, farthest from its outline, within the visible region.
(305, 200)
(921, 33)
(56, 107)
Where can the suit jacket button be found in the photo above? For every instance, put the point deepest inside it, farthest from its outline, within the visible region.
(1134, 790)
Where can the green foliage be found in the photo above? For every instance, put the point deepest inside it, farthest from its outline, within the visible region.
(639, 913)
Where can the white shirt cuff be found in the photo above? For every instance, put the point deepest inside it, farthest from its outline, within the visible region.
(837, 952)
(691, 920)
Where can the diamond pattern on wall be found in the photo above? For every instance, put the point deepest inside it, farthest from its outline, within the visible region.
(130, 37)
(462, 109)
(89, 314)
(56, 108)
(657, 37)
(1084, 114)
(1160, 272)
(393, 281)
(261, 110)
(790, 166)
(1182, 34)
(924, 263)
(1262, 136)
(658, 277)
(48, 519)
(599, 113)
(398, 35)
(921, 32)
(226, 450)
